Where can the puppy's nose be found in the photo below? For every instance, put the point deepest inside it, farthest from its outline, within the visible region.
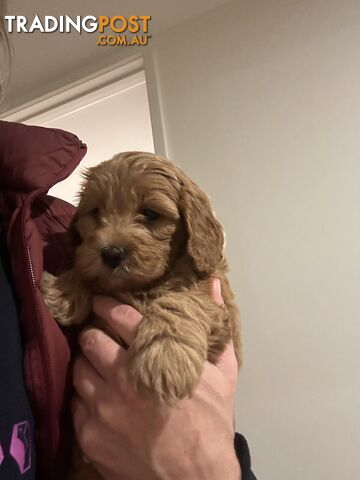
(113, 256)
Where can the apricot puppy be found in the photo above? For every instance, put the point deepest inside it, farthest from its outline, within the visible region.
(148, 236)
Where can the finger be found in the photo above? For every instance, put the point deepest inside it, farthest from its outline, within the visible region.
(85, 430)
(227, 362)
(124, 319)
(216, 291)
(80, 414)
(86, 380)
(101, 351)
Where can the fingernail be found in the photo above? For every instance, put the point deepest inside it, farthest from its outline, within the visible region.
(119, 313)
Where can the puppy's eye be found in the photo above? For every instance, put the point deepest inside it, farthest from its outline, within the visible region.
(150, 214)
(95, 212)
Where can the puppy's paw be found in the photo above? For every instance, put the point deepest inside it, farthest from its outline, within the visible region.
(56, 302)
(48, 282)
(166, 370)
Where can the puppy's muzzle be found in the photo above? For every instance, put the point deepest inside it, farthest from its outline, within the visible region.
(112, 256)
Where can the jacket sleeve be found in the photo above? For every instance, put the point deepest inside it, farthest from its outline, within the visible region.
(243, 455)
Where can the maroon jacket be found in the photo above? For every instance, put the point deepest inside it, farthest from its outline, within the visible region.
(32, 159)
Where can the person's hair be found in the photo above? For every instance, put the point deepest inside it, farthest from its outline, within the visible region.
(5, 53)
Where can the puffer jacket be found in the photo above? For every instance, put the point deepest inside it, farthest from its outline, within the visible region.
(32, 159)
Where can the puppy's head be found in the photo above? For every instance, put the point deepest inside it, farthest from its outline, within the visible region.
(139, 214)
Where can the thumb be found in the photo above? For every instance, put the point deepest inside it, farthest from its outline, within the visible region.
(227, 362)
(216, 291)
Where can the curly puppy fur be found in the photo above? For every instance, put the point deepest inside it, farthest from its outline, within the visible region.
(170, 245)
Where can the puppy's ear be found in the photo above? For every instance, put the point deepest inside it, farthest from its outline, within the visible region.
(73, 233)
(69, 240)
(74, 229)
(205, 241)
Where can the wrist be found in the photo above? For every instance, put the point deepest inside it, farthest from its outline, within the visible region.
(235, 469)
(230, 466)
(223, 463)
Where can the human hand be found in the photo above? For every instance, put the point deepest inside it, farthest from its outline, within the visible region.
(128, 438)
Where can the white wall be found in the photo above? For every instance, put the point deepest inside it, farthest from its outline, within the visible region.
(261, 105)
(44, 63)
(110, 120)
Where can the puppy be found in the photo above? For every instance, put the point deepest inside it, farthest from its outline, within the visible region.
(147, 236)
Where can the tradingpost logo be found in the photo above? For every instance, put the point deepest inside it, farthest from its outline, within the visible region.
(117, 30)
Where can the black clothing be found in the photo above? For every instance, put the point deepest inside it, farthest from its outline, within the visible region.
(17, 459)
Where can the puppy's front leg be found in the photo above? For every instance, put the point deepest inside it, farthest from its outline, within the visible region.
(66, 297)
(169, 351)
